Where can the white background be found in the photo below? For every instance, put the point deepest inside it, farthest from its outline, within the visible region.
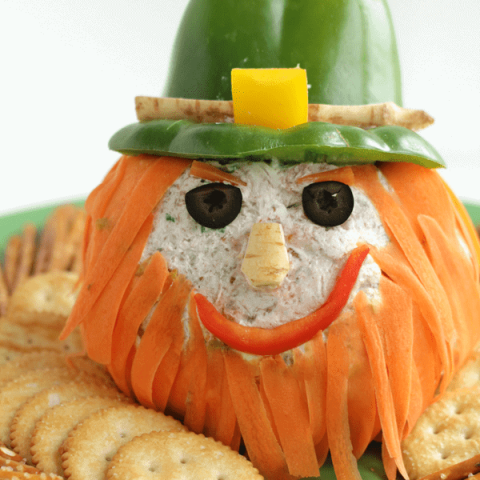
(70, 71)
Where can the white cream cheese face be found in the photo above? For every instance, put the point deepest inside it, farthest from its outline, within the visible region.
(212, 259)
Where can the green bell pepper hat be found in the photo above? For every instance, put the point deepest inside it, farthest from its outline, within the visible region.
(349, 51)
(313, 141)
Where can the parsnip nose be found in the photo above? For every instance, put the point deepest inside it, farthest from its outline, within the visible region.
(266, 260)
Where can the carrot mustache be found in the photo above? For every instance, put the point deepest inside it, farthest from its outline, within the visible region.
(261, 341)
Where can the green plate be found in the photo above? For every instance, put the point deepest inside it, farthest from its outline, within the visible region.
(13, 223)
(474, 211)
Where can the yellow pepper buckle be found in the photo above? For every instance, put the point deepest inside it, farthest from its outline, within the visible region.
(272, 97)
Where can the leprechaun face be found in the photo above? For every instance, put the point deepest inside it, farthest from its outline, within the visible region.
(213, 259)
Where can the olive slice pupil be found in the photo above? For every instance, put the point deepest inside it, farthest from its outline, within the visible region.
(327, 204)
(214, 205)
(327, 201)
(215, 200)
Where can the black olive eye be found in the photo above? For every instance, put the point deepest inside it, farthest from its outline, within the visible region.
(214, 205)
(327, 203)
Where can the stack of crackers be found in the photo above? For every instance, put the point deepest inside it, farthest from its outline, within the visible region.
(61, 416)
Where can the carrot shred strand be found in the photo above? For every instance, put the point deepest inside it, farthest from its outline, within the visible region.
(196, 384)
(220, 419)
(188, 362)
(209, 172)
(169, 367)
(260, 441)
(104, 207)
(163, 332)
(395, 323)
(268, 409)
(343, 175)
(416, 401)
(286, 402)
(99, 336)
(367, 322)
(310, 367)
(338, 430)
(361, 401)
(145, 291)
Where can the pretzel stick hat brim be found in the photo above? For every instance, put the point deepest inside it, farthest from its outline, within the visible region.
(221, 111)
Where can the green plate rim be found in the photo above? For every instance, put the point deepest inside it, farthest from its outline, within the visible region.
(13, 223)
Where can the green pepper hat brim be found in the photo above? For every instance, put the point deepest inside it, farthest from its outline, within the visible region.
(309, 142)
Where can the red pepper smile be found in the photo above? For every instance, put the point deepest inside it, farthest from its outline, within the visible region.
(263, 341)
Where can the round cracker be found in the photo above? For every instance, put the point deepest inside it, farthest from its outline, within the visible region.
(9, 352)
(45, 324)
(447, 433)
(34, 338)
(23, 423)
(10, 349)
(179, 456)
(54, 426)
(52, 292)
(16, 392)
(91, 445)
(28, 362)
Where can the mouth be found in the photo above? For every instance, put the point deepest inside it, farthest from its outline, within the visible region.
(263, 341)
